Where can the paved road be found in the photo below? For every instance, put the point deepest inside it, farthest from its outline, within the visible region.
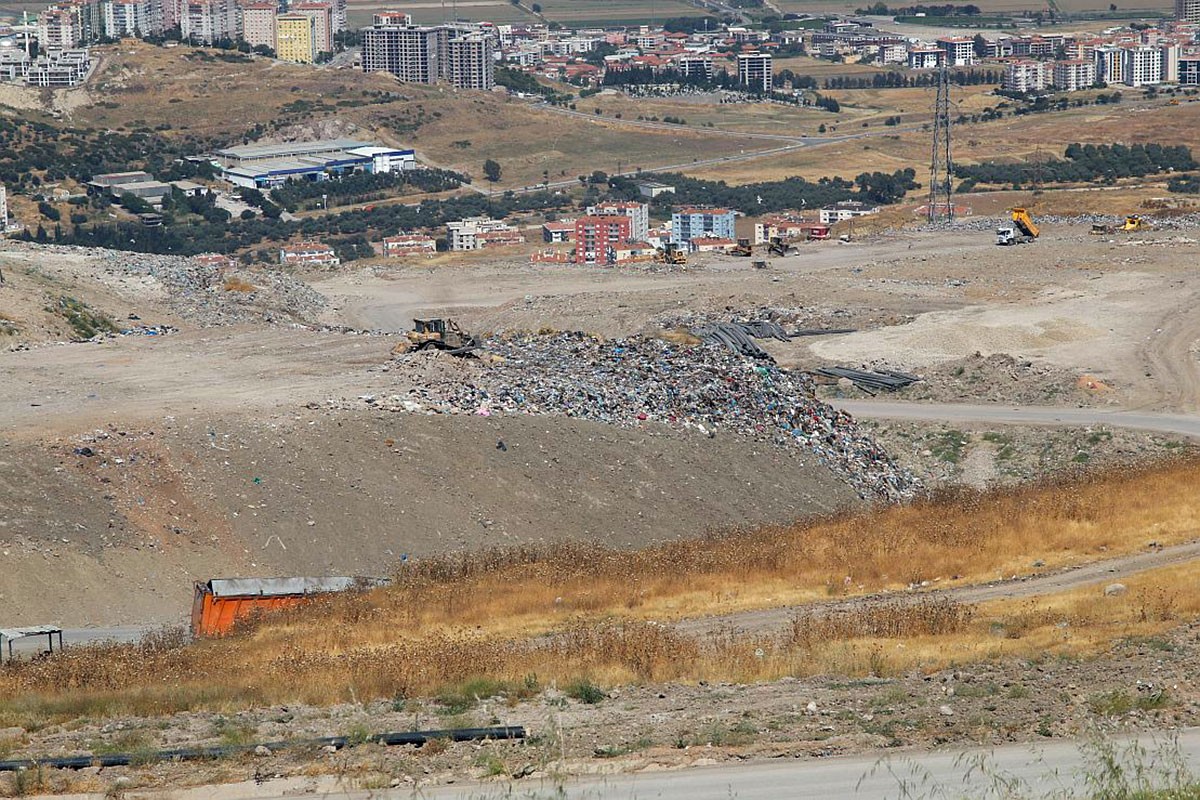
(1184, 424)
(1051, 769)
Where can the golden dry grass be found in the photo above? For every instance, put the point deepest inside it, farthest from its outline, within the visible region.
(566, 611)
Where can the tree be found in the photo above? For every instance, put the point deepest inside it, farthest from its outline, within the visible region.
(980, 45)
(537, 8)
(491, 170)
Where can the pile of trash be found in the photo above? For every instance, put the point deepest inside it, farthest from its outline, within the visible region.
(706, 388)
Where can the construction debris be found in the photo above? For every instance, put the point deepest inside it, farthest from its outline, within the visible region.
(629, 382)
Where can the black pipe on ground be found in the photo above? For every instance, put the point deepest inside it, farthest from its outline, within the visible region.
(208, 753)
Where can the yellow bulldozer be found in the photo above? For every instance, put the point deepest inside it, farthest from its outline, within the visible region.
(1132, 223)
(743, 248)
(671, 254)
(437, 334)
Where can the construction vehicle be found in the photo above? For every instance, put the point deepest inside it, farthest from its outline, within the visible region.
(743, 248)
(671, 254)
(1022, 230)
(438, 334)
(779, 247)
(1132, 223)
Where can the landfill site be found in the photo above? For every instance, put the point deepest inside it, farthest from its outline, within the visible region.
(257, 423)
(281, 430)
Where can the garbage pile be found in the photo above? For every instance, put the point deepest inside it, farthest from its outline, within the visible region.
(707, 388)
(198, 291)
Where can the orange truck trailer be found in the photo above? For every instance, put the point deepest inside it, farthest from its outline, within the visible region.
(219, 603)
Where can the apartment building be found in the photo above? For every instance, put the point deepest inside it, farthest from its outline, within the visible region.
(1110, 63)
(322, 17)
(1189, 71)
(409, 244)
(959, 50)
(308, 254)
(464, 56)
(127, 18)
(478, 233)
(471, 61)
(209, 21)
(926, 57)
(296, 38)
(258, 24)
(1187, 10)
(597, 235)
(755, 71)
(1024, 75)
(58, 29)
(1142, 66)
(846, 209)
(638, 213)
(1170, 52)
(695, 223)
(1073, 74)
(696, 67)
(411, 54)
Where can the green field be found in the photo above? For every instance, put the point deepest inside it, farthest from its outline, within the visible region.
(427, 12)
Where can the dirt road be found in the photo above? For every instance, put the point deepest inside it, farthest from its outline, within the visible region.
(1026, 586)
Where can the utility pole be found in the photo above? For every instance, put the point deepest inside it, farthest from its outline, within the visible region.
(941, 165)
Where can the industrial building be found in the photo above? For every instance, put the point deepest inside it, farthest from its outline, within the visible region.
(270, 165)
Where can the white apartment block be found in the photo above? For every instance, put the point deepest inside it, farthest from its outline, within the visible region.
(1073, 75)
(1142, 66)
(960, 50)
(127, 18)
(925, 57)
(1187, 10)
(1170, 61)
(696, 66)
(755, 70)
(638, 213)
(1024, 76)
(258, 24)
(208, 21)
(308, 254)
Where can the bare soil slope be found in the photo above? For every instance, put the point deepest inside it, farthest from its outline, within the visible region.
(118, 536)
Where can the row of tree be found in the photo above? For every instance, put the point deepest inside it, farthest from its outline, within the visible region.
(1085, 163)
(908, 80)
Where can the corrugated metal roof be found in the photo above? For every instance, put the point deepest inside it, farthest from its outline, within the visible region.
(31, 630)
(276, 587)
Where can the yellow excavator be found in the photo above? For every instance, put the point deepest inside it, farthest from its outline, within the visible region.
(1022, 230)
(1132, 223)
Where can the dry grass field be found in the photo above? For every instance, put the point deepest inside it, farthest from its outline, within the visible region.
(578, 611)
(988, 7)
(587, 12)
(429, 12)
(143, 86)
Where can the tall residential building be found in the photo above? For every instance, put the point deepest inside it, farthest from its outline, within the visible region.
(1074, 74)
(1189, 71)
(755, 71)
(596, 236)
(296, 38)
(258, 24)
(1187, 10)
(696, 66)
(411, 54)
(1024, 76)
(638, 213)
(699, 223)
(1142, 66)
(960, 50)
(471, 62)
(58, 29)
(322, 17)
(209, 21)
(127, 18)
(170, 13)
(462, 55)
(3, 209)
(1110, 64)
(1170, 52)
